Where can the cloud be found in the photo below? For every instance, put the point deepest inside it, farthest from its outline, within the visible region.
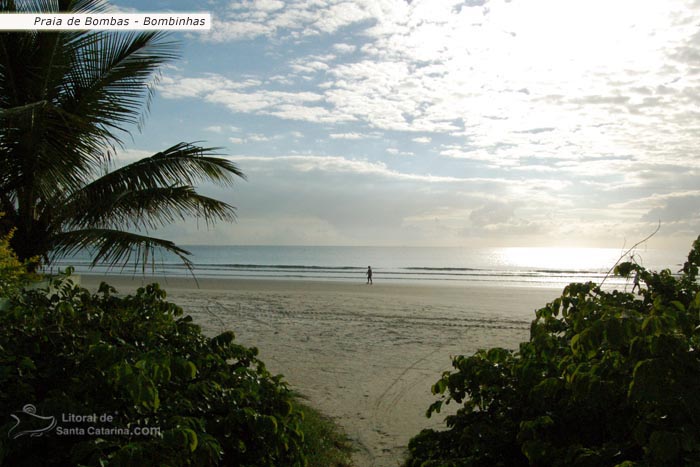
(268, 5)
(300, 18)
(491, 214)
(341, 15)
(264, 101)
(258, 138)
(452, 66)
(422, 139)
(676, 209)
(325, 168)
(128, 156)
(232, 30)
(351, 166)
(485, 72)
(363, 202)
(587, 110)
(397, 152)
(666, 207)
(248, 96)
(178, 87)
(344, 48)
(288, 230)
(312, 64)
(677, 213)
(346, 136)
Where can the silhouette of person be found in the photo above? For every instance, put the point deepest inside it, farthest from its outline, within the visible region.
(369, 275)
(636, 283)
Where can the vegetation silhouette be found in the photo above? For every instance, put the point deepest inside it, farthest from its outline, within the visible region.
(608, 378)
(174, 395)
(67, 100)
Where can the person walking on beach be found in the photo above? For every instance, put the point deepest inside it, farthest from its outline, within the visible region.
(369, 275)
(636, 283)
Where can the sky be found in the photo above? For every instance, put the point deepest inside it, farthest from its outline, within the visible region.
(440, 122)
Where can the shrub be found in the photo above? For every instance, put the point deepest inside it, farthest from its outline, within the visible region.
(13, 272)
(608, 378)
(137, 360)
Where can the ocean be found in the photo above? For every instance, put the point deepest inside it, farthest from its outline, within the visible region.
(538, 267)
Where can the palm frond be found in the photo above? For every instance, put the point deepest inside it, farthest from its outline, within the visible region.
(110, 75)
(86, 6)
(92, 84)
(182, 164)
(148, 208)
(22, 110)
(44, 154)
(66, 100)
(114, 247)
(40, 148)
(7, 204)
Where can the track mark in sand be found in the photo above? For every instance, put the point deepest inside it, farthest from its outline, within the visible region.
(209, 310)
(425, 321)
(242, 314)
(363, 452)
(396, 380)
(385, 405)
(278, 307)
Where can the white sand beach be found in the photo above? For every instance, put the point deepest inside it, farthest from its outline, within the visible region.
(364, 355)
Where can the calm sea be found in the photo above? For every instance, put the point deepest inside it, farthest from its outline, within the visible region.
(545, 267)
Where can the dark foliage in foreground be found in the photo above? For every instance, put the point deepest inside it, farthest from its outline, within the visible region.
(608, 378)
(140, 361)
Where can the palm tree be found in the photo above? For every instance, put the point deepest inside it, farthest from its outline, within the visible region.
(67, 99)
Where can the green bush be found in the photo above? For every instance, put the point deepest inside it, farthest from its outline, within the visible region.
(137, 360)
(13, 272)
(608, 378)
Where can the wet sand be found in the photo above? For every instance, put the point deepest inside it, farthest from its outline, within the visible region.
(364, 355)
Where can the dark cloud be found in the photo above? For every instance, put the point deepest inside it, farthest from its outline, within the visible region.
(644, 90)
(676, 209)
(602, 100)
(535, 131)
(664, 90)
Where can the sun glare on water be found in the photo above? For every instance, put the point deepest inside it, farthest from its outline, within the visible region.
(559, 259)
